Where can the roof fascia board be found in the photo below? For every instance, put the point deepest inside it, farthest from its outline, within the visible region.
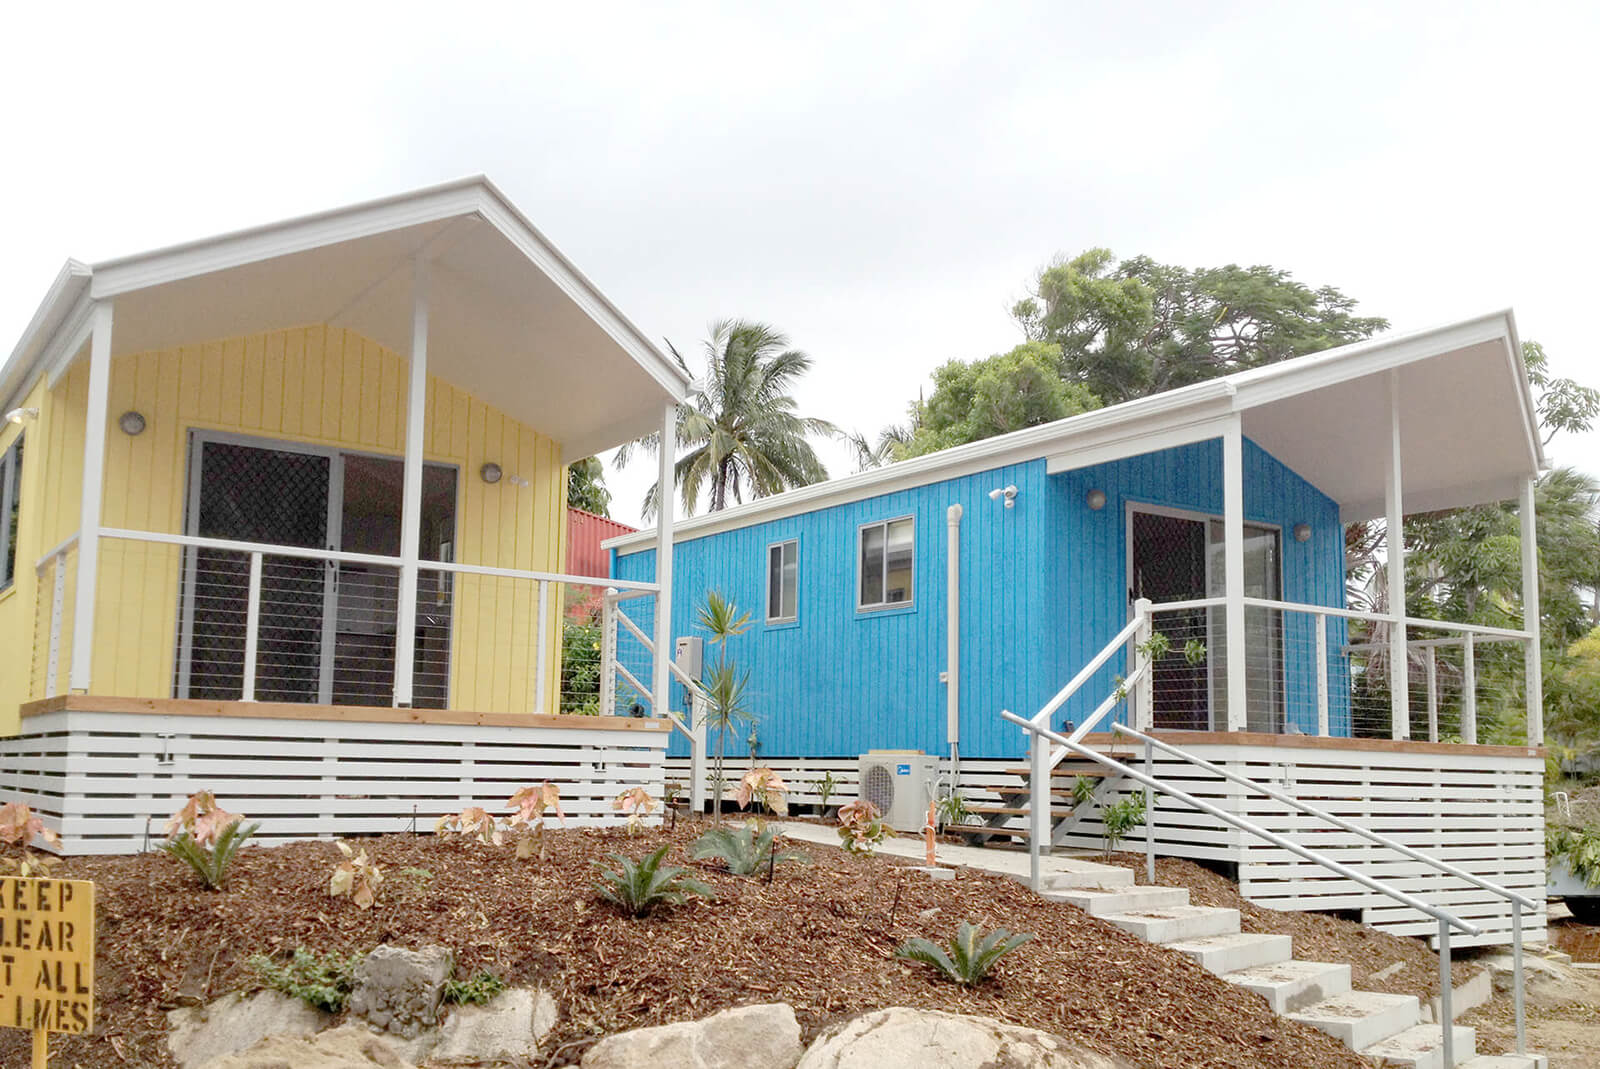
(68, 340)
(226, 251)
(1435, 500)
(66, 291)
(1148, 441)
(1530, 410)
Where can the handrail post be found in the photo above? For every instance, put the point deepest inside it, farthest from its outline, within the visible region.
(1431, 660)
(541, 678)
(608, 652)
(252, 628)
(1142, 714)
(1516, 976)
(1446, 1015)
(1469, 691)
(1322, 675)
(1149, 815)
(1038, 805)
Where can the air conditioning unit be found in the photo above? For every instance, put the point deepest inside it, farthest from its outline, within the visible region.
(899, 783)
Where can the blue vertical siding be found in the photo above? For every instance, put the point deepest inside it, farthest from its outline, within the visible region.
(1043, 588)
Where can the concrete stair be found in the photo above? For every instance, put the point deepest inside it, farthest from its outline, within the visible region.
(1380, 1026)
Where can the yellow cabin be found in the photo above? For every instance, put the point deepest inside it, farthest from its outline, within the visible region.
(312, 472)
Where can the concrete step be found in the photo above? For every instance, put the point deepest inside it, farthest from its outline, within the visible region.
(1422, 1047)
(1507, 1061)
(1293, 985)
(1177, 923)
(1097, 903)
(1067, 874)
(1222, 954)
(1359, 1019)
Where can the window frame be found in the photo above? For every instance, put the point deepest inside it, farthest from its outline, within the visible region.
(10, 496)
(911, 592)
(794, 614)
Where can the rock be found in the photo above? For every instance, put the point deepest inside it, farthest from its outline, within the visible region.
(750, 1037)
(196, 1036)
(902, 1038)
(401, 990)
(349, 1046)
(507, 1028)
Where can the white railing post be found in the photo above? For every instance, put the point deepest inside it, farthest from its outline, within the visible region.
(1322, 675)
(1516, 978)
(1430, 657)
(58, 604)
(252, 629)
(1038, 805)
(541, 674)
(405, 643)
(1233, 555)
(1149, 815)
(1143, 698)
(1469, 690)
(697, 750)
(1533, 681)
(608, 652)
(1447, 1016)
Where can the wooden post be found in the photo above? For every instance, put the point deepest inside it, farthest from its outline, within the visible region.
(41, 1048)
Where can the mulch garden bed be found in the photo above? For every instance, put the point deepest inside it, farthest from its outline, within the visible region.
(820, 937)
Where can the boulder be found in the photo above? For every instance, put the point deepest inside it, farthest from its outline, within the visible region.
(750, 1037)
(401, 991)
(350, 1046)
(902, 1038)
(198, 1035)
(509, 1027)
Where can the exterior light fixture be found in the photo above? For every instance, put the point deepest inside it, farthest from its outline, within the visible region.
(490, 472)
(19, 415)
(1096, 500)
(1008, 494)
(1302, 532)
(131, 422)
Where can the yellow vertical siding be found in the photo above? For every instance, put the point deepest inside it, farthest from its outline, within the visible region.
(319, 385)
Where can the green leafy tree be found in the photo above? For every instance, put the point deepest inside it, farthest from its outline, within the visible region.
(725, 686)
(586, 486)
(740, 428)
(978, 400)
(1133, 328)
(1575, 711)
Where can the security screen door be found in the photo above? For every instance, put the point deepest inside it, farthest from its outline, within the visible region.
(1179, 557)
(327, 631)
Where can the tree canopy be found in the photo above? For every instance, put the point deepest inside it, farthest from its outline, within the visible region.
(586, 486)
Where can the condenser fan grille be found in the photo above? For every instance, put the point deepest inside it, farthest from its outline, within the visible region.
(877, 787)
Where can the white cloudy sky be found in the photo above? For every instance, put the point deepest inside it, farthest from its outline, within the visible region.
(877, 180)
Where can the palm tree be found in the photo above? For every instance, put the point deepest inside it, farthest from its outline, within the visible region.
(739, 425)
(725, 685)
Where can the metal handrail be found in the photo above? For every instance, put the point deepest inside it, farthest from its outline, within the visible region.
(1379, 617)
(1518, 902)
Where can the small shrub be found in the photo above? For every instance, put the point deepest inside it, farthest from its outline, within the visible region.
(640, 887)
(637, 803)
(477, 989)
(320, 980)
(1578, 846)
(526, 822)
(952, 810)
(745, 851)
(827, 786)
(765, 786)
(356, 876)
(861, 827)
(19, 829)
(970, 956)
(1083, 788)
(206, 837)
(473, 822)
(1118, 820)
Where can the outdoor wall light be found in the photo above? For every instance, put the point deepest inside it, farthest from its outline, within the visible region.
(1302, 532)
(1005, 493)
(18, 415)
(490, 473)
(1096, 500)
(131, 422)
(520, 482)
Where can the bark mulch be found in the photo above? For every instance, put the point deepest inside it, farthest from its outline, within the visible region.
(820, 937)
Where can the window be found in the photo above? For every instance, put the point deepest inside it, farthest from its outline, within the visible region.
(10, 506)
(783, 581)
(886, 559)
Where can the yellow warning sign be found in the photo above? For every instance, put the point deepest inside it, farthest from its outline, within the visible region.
(46, 954)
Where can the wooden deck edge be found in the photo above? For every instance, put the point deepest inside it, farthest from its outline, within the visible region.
(95, 703)
(1188, 739)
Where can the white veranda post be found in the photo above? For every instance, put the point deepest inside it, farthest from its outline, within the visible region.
(94, 465)
(1399, 657)
(1233, 569)
(660, 677)
(1533, 664)
(411, 501)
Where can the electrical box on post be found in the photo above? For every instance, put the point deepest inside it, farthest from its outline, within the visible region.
(688, 655)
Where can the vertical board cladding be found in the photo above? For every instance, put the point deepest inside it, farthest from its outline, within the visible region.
(1043, 589)
(20, 661)
(327, 386)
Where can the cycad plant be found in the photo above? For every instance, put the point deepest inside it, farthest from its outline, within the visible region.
(206, 837)
(745, 850)
(970, 956)
(725, 685)
(639, 887)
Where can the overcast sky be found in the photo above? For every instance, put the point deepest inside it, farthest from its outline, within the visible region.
(878, 181)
